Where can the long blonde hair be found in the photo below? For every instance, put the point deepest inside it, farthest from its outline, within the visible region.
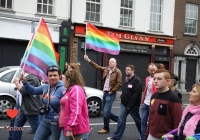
(197, 85)
(75, 78)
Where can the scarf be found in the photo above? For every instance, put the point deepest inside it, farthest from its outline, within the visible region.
(191, 124)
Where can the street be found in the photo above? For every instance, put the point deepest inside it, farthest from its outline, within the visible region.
(130, 133)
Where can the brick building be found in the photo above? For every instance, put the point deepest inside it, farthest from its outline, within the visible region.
(187, 44)
(145, 29)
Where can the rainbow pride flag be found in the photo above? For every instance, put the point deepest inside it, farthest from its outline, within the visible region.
(40, 53)
(101, 42)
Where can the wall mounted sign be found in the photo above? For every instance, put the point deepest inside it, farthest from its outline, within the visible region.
(133, 50)
(162, 58)
(80, 29)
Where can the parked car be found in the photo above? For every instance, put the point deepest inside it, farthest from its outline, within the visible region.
(7, 92)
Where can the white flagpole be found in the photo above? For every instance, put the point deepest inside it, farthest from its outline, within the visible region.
(32, 43)
(85, 37)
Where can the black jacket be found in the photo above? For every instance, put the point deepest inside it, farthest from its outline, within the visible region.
(178, 93)
(131, 92)
(30, 103)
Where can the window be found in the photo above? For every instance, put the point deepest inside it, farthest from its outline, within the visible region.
(7, 77)
(191, 17)
(155, 15)
(7, 4)
(93, 10)
(126, 13)
(45, 6)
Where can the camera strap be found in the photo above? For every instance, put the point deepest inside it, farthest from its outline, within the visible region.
(49, 98)
(48, 93)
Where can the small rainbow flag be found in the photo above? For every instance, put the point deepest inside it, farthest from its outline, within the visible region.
(101, 42)
(40, 53)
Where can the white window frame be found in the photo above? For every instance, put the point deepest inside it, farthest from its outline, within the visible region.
(6, 3)
(152, 13)
(128, 18)
(187, 18)
(42, 3)
(96, 3)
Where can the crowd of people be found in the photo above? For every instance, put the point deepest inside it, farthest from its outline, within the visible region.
(59, 108)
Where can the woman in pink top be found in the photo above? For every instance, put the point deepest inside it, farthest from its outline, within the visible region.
(74, 119)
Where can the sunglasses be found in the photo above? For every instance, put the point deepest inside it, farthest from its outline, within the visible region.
(52, 68)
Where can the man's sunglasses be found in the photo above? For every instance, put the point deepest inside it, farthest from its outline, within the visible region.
(52, 68)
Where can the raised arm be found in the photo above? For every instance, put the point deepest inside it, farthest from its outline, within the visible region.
(93, 64)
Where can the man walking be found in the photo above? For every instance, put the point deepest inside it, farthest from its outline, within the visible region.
(112, 78)
(29, 107)
(148, 91)
(130, 102)
(166, 108)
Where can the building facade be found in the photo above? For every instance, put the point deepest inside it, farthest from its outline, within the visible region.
(145, 29)
(186, 46)
(19, 19)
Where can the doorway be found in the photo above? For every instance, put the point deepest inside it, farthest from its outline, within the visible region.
(190, 74)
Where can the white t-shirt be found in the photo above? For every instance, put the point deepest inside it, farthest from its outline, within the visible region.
(148, 94)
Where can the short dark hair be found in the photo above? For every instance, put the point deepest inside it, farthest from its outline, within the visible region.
(131, 66)
(54, 68)
(174, 77)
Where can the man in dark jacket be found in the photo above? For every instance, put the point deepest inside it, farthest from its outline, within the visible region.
(29, 107)
(130, 102)
(172, 85)
(112, 78)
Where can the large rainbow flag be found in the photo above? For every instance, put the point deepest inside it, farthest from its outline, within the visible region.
(40, 53)
(101, 42)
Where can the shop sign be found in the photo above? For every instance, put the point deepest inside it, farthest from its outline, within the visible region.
(133, 50)
(161, 40)
(162, 58)
(80, 29)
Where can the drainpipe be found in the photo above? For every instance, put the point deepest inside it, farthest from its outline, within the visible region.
(70, 25)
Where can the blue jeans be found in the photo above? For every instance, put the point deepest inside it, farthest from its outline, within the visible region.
(121, 124)
(45, 129)
(83, 136)
(20, 120)
(12, 124)
(145, 115)
(108, 100)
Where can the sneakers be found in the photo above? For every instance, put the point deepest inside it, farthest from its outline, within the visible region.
(111, 138)
(102, 131)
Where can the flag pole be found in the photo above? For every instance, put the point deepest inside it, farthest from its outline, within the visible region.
(25, 54)
(85, 37)
(31, 44)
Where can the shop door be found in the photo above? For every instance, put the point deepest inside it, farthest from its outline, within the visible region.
(190, 74)
(91, 76)
(11, 51)
(140, 61)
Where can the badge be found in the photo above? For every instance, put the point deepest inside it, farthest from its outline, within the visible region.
(130, 86)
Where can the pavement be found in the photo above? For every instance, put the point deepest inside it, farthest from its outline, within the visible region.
(185, 97)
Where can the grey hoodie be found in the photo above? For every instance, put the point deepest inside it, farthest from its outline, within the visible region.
(30, 103)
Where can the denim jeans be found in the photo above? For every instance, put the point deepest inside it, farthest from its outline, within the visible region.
(108, 100)
(83, 136)
(20, 120)
(145, 115)
(12, 123)
(45, 129)
(121, 124)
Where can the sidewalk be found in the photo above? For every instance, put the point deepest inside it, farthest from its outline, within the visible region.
(185, 97)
